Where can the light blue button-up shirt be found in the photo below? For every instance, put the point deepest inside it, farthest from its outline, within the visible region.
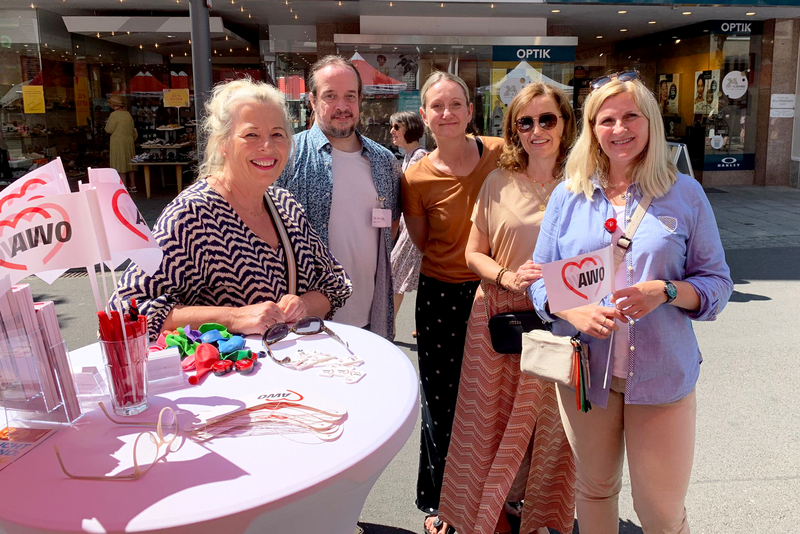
(310, 180)
(677, 239)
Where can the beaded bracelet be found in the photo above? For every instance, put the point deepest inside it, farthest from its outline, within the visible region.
(499, 277)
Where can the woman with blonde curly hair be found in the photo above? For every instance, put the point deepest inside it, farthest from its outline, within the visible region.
(224, 261)
(509, 452)
(644, 359)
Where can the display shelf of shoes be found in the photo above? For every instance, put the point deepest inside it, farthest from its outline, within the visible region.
(167, 148)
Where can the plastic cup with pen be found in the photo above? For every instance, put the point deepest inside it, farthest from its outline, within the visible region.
(125, 358)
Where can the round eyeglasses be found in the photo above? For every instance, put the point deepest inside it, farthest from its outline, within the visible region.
(547, 121)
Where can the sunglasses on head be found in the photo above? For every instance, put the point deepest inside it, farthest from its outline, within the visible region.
(547, 121)
(306, 326)
(625, 76)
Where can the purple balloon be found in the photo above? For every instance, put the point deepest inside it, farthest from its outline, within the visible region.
(191, 335)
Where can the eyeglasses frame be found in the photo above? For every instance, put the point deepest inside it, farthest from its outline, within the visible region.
(293, 329)
(535, 121)
(137, 471)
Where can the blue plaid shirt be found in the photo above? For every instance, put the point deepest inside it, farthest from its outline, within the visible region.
(310, 180)
(677, 239)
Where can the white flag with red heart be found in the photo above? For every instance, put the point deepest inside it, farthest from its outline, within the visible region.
(47, 235)
(580, 280)
(127, 232)
(44, 181)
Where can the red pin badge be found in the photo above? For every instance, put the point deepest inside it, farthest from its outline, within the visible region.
(611, 225)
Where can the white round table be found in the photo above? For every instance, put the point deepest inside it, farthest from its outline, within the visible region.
(247, 484)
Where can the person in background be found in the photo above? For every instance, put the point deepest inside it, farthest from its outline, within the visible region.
(349, 187)
(123, 135)
(438, 195)
(223, 258)
(406, 129)
(508, 442)
(674, 272)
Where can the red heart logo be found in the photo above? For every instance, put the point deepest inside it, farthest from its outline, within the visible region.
(118, 213)
(28, 214)
(579, 266)
(27, 185)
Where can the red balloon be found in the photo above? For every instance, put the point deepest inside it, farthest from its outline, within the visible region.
(204, 358)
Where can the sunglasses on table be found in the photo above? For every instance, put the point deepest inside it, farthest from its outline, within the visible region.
(145, 454)
(547, 121)
(626, 76)
(306, 326)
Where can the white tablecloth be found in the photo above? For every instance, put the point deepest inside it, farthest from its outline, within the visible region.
(255, 484)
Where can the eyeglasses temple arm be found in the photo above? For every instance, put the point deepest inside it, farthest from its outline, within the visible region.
(337, 338)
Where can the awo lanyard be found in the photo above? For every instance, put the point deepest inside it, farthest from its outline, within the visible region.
(619, 256)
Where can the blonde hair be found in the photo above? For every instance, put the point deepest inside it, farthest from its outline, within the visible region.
(221, 114)
(653, 172)
(439, 76)
(514, 157)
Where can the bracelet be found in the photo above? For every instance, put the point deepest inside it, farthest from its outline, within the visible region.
(499, 277)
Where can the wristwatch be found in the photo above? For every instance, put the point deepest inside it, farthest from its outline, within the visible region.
(670, 291)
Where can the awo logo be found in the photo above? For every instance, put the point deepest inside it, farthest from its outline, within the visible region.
(577, 277)
(41, 227)
(288, 395)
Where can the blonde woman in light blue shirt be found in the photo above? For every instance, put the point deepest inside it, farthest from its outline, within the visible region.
(674, 272)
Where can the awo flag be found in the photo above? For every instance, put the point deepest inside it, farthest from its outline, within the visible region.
(47, 180)
(579, 280)
(47, 235)
(127, 232)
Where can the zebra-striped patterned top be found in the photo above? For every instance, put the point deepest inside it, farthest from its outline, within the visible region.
(212, 258)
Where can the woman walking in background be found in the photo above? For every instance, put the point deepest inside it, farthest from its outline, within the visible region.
(123, 135)
(438, 195)
(508, 442)
(406, 130)
(673, 272)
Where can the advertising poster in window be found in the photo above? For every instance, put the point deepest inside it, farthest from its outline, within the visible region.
(668, 93)
(703, 84)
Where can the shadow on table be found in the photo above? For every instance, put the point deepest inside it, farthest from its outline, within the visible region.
(371, 528)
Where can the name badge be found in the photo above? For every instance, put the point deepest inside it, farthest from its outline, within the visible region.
(381, 218)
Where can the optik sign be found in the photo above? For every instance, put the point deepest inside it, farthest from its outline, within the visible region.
(533, 53)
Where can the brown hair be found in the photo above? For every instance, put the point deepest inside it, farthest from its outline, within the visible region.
(413, 123)
(514, 158)
(327, 61)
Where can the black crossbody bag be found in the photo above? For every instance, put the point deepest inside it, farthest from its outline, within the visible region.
(506, 329)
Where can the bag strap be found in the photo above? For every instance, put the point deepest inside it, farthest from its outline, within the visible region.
(288, 250)
(627, 237)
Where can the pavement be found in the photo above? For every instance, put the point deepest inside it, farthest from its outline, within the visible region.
(746, 475)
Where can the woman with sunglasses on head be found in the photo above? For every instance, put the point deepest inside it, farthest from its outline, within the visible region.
(407, 129)
(438, 195)
(225, 259)
(673, 272)
(508, 442)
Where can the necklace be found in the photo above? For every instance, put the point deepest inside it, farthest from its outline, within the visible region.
(232, 196)
(542, 203)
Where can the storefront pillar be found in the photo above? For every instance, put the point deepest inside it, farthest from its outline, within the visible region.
(778, 77)
(201, 62)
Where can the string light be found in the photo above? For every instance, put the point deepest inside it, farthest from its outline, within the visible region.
(128, 33)
(141, 47)
(441, 5)
(185, 54)
(340, 3)
(391, 4)
(226, 37)
(249, 15)
(113, 33)
(98, 35)
(295, 17)
(156, 45)
(241, 9)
